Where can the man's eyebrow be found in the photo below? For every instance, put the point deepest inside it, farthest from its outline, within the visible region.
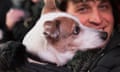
(104, 1)
(84, 1)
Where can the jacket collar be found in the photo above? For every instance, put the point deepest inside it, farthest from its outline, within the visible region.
(114, 41)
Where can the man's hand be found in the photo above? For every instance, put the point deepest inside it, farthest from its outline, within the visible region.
(13, 16)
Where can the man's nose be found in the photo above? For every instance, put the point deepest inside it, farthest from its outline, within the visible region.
(96, 20)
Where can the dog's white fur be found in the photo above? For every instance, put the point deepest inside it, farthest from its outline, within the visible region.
(37, 44)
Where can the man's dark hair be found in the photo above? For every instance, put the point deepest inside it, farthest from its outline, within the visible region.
(115, 4)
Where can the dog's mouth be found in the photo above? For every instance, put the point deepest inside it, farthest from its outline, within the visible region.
(101, 46)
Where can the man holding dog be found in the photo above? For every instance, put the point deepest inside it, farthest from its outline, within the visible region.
(101, 15)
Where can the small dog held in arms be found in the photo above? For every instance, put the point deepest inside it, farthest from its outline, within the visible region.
(57, 36)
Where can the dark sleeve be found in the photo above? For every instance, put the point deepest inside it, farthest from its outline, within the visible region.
(116, 69)
(12, 54)
(110, 62)
(19, 31)
(33, 67)
(13, 59)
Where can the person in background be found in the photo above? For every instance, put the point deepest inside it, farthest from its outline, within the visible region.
(101, 15)
(4, 8)
(22, 16)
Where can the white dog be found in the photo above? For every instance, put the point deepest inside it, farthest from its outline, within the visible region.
(57, 36)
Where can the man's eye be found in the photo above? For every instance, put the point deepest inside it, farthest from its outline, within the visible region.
(83, 9)
(104, 7)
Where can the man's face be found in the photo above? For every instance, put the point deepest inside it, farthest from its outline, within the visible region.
(93, 13)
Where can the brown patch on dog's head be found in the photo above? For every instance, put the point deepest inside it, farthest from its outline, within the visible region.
(58, 32)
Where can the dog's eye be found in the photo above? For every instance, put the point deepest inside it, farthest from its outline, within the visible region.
(76, 30)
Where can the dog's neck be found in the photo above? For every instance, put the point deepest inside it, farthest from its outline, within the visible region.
(30, 60)
(35, 61)
(51, 55)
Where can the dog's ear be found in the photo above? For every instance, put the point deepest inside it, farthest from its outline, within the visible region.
(49, 6)
(51, 30)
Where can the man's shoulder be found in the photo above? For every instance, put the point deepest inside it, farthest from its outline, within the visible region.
(110, 58)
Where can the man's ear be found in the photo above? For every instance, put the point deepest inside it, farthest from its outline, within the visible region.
(51, 30)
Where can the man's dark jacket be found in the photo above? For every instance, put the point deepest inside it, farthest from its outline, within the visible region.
(13, 58)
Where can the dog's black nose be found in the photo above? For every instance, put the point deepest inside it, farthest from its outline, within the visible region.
(104, 35)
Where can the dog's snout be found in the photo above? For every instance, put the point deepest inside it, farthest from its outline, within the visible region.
(104, 35)
(76, 30)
